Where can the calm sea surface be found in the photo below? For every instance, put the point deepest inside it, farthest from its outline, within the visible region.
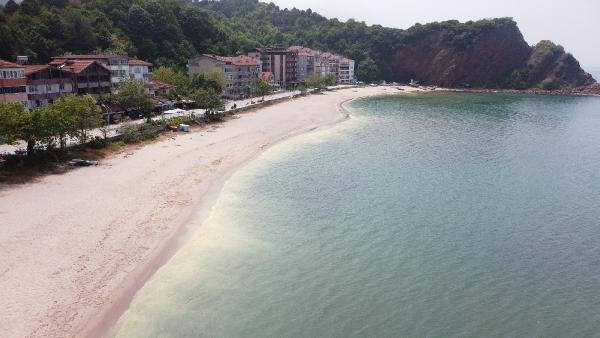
(432, 215)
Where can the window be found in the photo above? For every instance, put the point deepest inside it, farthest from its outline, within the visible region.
(12, 90)
(137, 70)
(61, 86)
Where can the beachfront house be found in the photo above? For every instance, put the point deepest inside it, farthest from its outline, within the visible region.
(239, 71)
(89, 77)
(118, 65)
(45, 84)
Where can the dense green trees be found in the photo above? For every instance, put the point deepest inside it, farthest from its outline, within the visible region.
(367, 70)
(321, 81)
(261, 87)
(131, 94)
(169, 32)
(71, 115)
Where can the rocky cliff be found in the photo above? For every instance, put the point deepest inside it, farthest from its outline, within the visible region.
(484, 54)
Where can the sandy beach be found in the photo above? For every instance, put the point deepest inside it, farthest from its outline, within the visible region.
(77, 246)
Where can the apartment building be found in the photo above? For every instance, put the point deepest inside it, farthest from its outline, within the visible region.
(239, 71)
(275, 61)
(345, 71)
(12, 83)
(45, 84)
(309, 62)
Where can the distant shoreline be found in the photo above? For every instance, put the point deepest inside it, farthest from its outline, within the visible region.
(565, 92)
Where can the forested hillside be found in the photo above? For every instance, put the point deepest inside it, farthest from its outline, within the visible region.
(168, 32)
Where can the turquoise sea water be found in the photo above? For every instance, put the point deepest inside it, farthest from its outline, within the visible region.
(432, 215)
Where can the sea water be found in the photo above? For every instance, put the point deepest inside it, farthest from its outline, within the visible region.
(428, 215)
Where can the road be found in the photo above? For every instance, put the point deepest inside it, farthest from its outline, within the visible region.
(113, 129)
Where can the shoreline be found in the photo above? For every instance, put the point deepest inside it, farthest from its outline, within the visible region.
(569, 92)
(93, 237)
(107, 325)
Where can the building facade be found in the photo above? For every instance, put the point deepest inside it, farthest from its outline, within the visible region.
(346, 71)
(45, 84)
(140, 70)
(120, 66)
(12, 83)
(239, 71)
(275, 61)
(89, 77)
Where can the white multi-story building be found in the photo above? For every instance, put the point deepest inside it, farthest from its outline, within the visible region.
(140, 70)
(346, 71)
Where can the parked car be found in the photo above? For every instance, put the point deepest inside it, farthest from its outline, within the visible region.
(78, 162)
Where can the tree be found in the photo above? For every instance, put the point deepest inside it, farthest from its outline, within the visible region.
(11, 7)
(132, 94)
(16, 123)
(78, 115)
(207, 98)
(172, 77)
(329, 79)
(321, 81)
(9, 117)
(215, 79)
(367, 70)
(315, 81)
(261, 87)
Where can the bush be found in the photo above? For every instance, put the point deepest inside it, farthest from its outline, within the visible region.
(551, 84)
(148, 132)
(181, 120)
(98, 142)
(131, 133)
(116, 146)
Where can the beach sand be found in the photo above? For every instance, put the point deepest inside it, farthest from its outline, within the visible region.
(77, 246)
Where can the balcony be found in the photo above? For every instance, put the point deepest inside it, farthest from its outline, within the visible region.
(48, 81)
(45, 96)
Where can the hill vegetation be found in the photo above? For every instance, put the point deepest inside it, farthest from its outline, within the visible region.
(486, 53)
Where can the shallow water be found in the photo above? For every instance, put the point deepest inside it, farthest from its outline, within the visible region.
(432, 215)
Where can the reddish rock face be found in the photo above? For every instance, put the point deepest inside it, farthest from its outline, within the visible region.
(485, 60)
(484, 54)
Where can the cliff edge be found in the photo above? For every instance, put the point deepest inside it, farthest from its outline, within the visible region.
(485, 54)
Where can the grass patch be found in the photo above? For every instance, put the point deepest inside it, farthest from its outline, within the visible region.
(116, 146)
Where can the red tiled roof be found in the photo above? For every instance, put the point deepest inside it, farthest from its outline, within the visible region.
(136, 62)
(266, 76)
(77, 66)
(6, 64)
(241, 60)
(30, 69)
(157, 85)
(89, 56)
